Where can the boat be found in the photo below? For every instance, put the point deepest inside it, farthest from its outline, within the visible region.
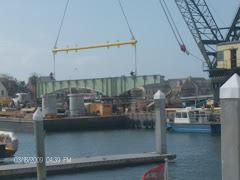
(193, 120)
(8, 144)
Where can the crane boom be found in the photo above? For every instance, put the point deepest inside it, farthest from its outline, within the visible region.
(234, 31)
(203, 28)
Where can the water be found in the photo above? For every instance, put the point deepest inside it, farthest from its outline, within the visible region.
(198, 154)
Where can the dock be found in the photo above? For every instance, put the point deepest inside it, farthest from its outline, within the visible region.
(87, 163)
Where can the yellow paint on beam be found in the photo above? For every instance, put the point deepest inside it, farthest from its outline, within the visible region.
(132, 41)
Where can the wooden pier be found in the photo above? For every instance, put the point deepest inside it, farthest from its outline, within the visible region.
(87, 163)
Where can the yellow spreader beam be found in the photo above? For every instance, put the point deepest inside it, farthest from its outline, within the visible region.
(132, 41)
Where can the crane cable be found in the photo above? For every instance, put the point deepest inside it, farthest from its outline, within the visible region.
(131, 32)
(165, 12)
(60, 28)
(55, 46)
(173, 25)
(120, 4)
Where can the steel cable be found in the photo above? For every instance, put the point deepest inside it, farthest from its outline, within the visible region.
(55, 45)
(61, 24)
(169, 22)
(131, 35)
(126, 19)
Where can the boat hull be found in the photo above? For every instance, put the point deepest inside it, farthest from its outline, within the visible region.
(194, 127)
(10, 142)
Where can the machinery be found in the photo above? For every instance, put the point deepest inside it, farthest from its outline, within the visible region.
(5, 101)
(208, 36)
(22, 99)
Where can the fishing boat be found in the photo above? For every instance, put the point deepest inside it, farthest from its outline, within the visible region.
(8, 144)
(193, 120)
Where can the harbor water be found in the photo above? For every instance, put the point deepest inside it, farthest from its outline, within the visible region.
(198, 154)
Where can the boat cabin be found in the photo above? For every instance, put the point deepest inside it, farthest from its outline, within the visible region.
(190, 115)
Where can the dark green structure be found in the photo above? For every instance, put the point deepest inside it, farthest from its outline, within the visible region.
(111, 86)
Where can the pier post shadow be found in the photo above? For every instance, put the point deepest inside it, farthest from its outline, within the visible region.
(230, 128)
(160, 123)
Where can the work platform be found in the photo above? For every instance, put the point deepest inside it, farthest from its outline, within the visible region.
(87, 163)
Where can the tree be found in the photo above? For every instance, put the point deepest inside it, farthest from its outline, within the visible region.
(33, 80)
(12, 85)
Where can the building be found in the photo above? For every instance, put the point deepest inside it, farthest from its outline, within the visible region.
(173, 99)
(33, 87)
(176, 84)
(148, 91)
(3, 90)
(190, 86)
(228, 55)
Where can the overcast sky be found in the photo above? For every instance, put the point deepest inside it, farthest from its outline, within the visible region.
(29, 30)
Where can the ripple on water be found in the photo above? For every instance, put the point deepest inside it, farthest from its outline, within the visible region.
(198, 154)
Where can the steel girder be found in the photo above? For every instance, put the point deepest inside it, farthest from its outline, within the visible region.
(234, 31)
(111, 86)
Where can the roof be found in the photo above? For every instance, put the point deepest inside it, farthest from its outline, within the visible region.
(198, 81)
(202, 82)
(176, 83)
(4, 84)
(46, 78)
(227, 43)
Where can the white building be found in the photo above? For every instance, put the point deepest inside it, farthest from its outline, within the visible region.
(3, 91)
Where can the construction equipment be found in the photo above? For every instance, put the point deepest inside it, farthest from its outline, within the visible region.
(132, 41)
(207, 36)
(5, 100)
(21, 99)
(101, 109)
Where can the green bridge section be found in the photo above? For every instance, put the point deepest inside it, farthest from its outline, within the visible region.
(111, 86)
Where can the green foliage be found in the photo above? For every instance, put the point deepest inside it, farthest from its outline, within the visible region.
(12, 85)
(33, 80)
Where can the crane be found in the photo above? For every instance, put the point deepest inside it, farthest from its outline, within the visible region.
(207, 35)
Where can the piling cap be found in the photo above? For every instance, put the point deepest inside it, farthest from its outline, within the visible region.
(37, 116)
(159, 95)
(231, 88)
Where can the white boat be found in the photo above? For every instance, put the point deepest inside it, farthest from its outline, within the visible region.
(193, 120)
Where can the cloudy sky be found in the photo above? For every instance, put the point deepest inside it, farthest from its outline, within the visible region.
(29, 30)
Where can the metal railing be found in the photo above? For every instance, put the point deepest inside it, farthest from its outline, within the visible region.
(227, 63)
